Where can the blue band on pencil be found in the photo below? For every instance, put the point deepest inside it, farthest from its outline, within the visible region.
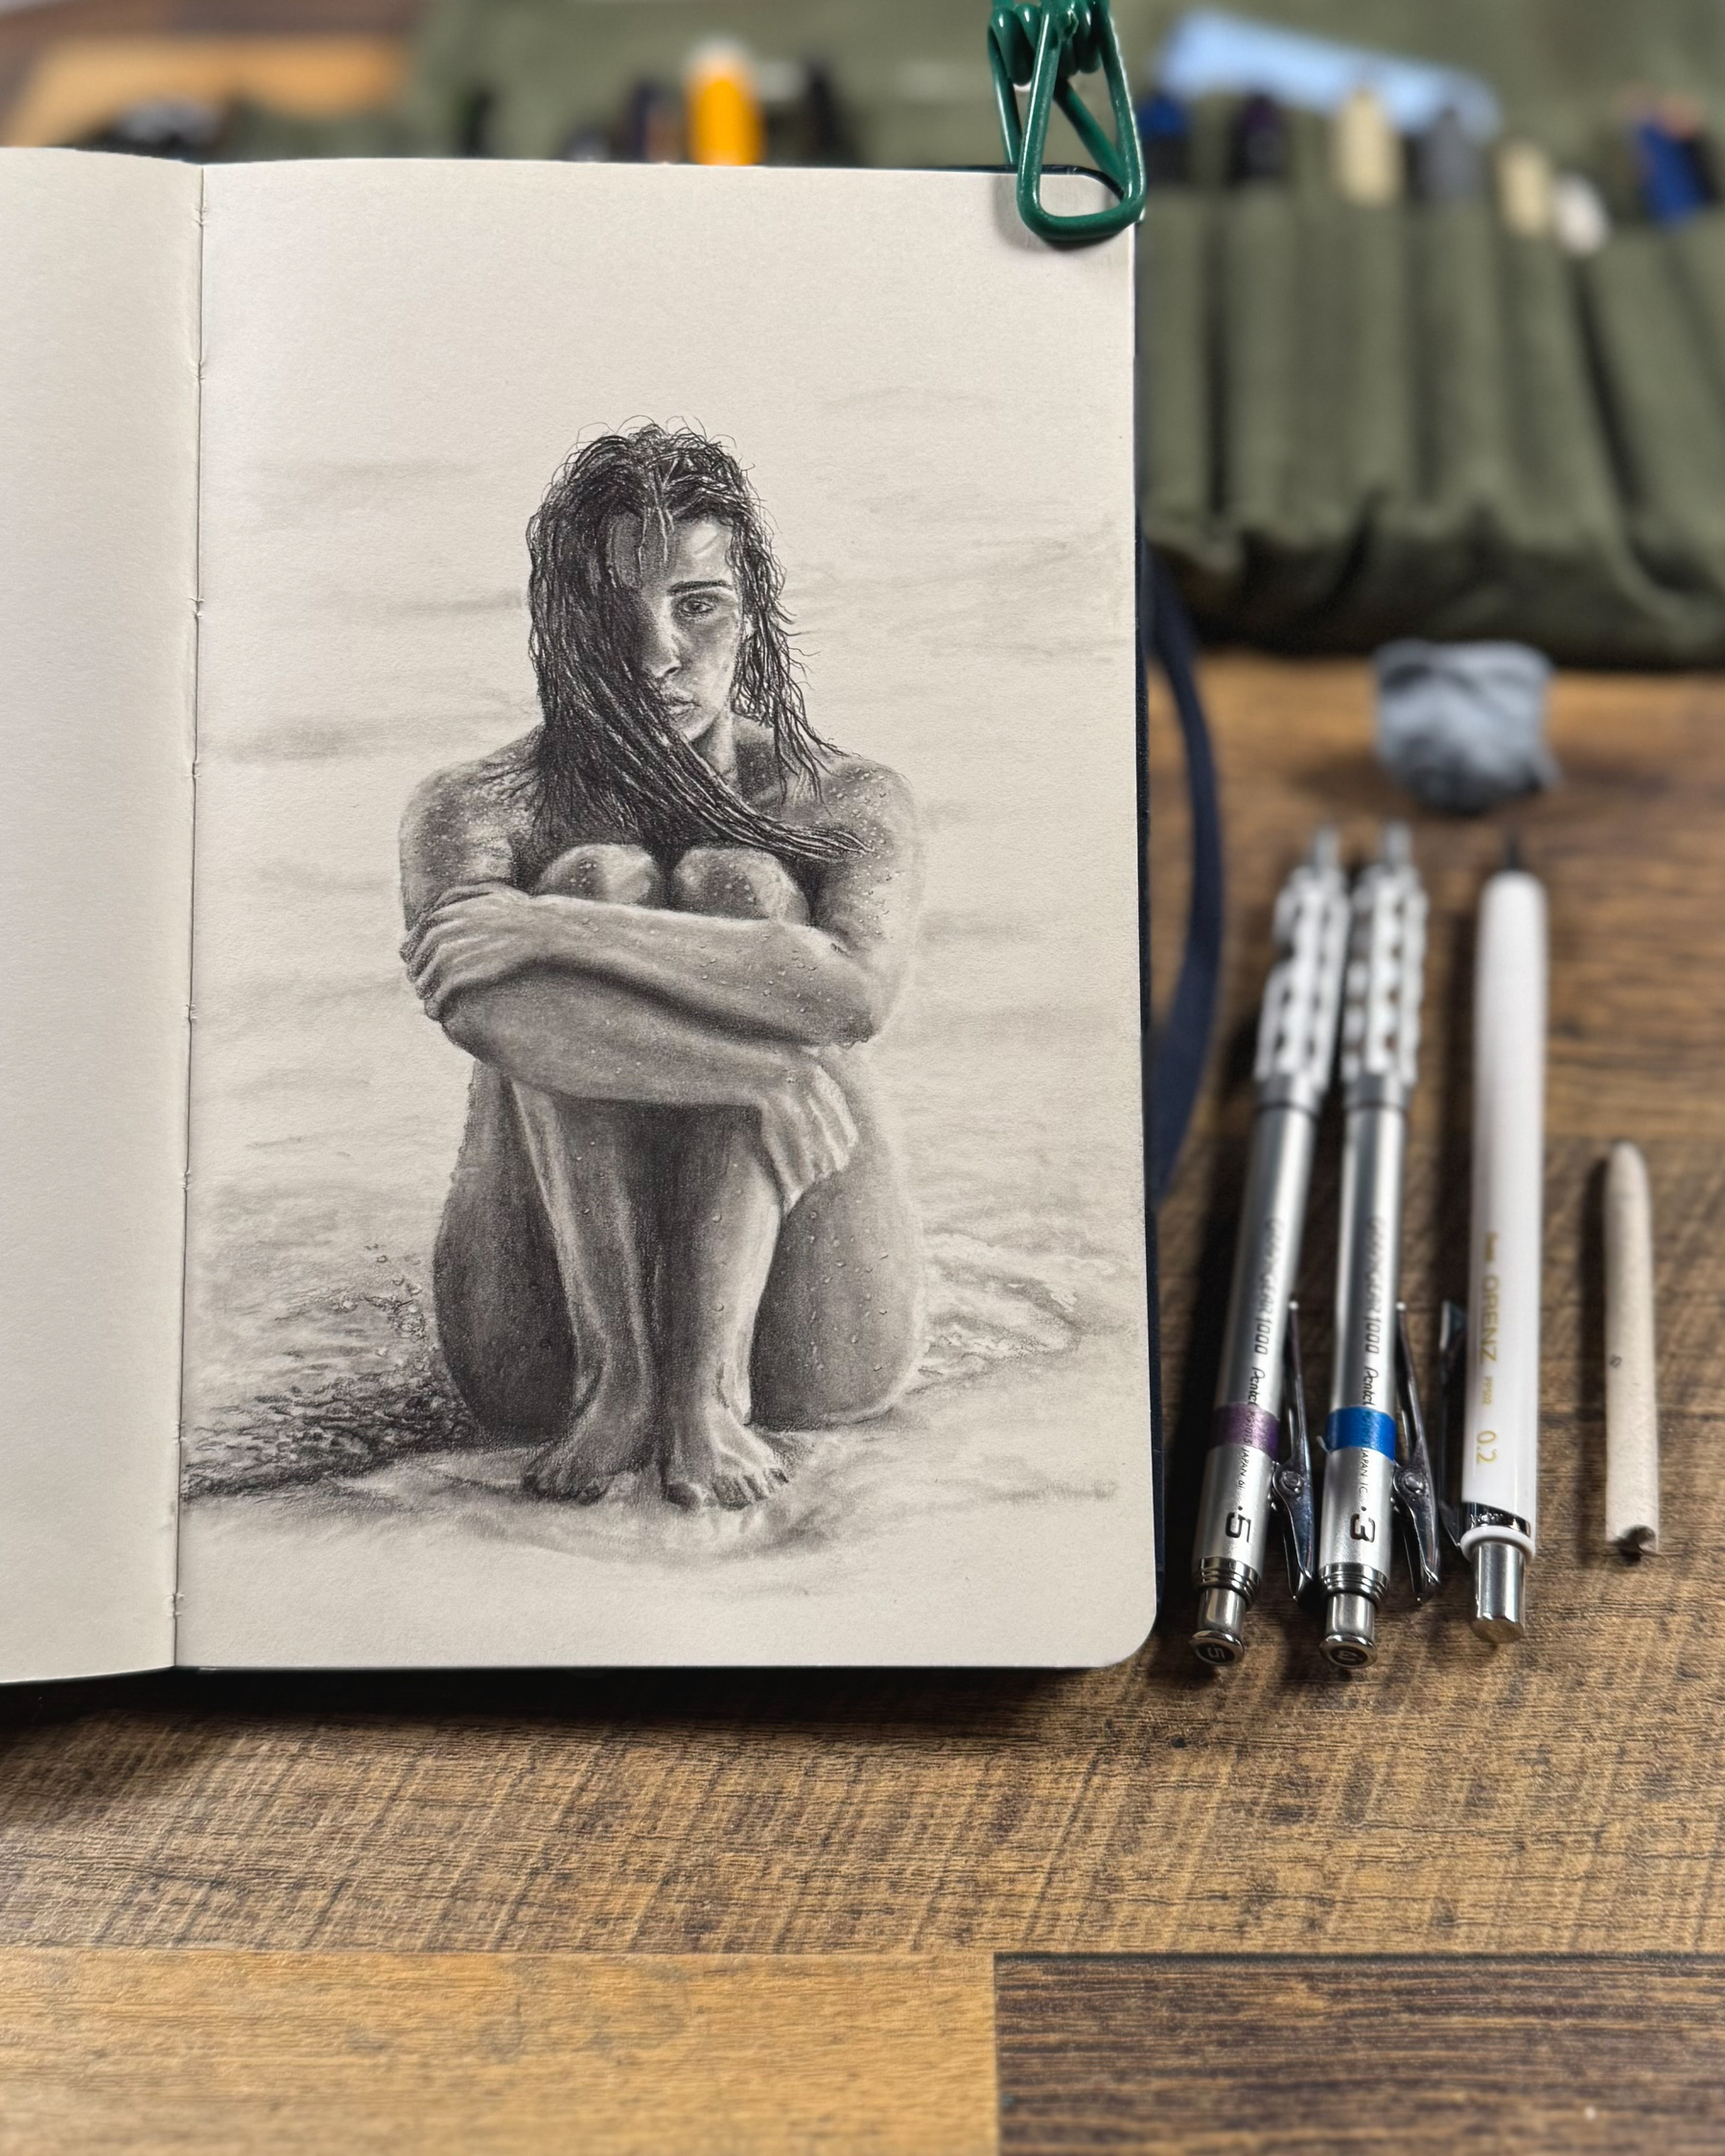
(1368, 1427)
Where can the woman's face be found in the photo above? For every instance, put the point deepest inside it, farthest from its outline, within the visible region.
(691, 615)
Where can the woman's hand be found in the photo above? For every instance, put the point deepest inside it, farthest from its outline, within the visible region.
(475, 936)
(806, 1130)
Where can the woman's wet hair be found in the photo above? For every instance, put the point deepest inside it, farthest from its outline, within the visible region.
(607, 741)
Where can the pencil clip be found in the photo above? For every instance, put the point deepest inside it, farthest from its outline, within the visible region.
(1415, 1489)
(1452, 1377)
(1291, 1486)
(1038, 46)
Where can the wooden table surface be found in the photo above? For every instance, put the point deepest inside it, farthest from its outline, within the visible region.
(1468, 1898)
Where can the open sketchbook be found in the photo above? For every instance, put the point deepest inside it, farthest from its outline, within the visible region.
(570, 1090)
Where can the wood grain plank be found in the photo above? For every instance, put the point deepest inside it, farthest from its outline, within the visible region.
(1628, 847)
(1197, 2056)
(1561, 1797)
(83, 85)
(477, 2054)
(27, 33)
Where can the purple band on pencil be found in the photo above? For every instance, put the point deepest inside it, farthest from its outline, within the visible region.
(1246, 1425)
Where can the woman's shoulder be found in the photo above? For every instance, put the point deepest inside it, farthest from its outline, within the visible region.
(489, 791)
(847, 785)
(856, 791)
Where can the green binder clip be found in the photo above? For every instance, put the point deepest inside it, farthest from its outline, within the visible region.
(1039, 45)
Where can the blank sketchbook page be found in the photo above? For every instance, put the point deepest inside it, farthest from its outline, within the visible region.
(98, 584)
(933, 412)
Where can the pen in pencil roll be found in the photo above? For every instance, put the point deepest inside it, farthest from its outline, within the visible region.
(1500, 1463)
(722, 110)
(1380, 1056)
(1296, 1047)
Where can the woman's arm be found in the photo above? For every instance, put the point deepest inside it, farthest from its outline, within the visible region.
(576, 1035)
(832, 981)
(779, 979)
(598, 1042)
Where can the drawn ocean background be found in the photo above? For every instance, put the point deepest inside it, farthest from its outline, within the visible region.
(364, 624)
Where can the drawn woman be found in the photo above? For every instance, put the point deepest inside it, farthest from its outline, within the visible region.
(664, 924)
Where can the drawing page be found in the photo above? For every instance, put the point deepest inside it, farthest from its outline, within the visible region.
(667, 1166)
(98, 577)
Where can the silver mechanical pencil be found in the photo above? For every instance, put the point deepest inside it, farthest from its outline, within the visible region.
(1296, 1049)
(1380, 1046)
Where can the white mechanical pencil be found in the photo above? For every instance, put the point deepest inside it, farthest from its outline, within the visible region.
(1499, 1469)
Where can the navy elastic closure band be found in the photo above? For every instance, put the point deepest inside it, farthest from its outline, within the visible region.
(1181, 1042)
(1176, 1049)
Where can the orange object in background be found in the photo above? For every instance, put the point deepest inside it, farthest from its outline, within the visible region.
(721, 109)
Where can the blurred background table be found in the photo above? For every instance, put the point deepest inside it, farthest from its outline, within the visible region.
(1467, 1899)
(71, 67)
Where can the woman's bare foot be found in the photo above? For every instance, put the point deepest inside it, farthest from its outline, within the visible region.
(716, 1459)
(608, 1437)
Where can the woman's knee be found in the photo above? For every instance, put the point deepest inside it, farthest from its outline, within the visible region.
(615, 876)
(741, 881)
(812, 1386)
